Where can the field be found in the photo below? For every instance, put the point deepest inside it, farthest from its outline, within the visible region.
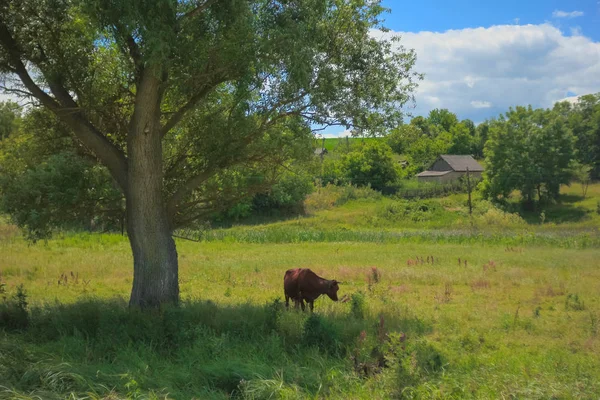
(439, 306)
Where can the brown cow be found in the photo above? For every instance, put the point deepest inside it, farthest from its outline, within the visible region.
(302, 284)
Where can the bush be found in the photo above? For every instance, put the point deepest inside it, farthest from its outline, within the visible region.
(331, 195)
(371, 165)
(14, 314)
(62, 192)
(333, 172)
(414, 210)
(320, 333)
(239, 211)
(285, 197)
(496, 217)
(287, 194)
(411, 362)
(574, 302)
(358, 305)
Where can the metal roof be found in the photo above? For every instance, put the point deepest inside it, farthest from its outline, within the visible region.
(433, 173)
(460, 163)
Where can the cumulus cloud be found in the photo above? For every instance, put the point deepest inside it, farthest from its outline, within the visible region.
(567, 14)
(570, 99)
(480, 72)
(481, 104)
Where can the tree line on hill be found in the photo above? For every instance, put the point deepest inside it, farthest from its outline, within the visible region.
(533, 151)
(48, 180)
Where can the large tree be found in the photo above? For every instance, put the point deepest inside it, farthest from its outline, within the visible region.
(177, 98)
(528, 150)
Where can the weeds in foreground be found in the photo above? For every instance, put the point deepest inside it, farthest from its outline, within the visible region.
(445, 296)
(489, 266)
(14, 314)
(550, 291)
(122, 353)
(480, 284)
(421, 260)
(574, 303)
(358, 305)
(373, 278)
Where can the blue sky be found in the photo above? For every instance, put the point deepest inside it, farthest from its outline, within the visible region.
(479, 58)
(439, 15)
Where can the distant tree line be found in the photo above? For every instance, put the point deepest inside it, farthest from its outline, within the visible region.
(45, 174)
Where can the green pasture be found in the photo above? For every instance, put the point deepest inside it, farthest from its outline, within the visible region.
(436, 305)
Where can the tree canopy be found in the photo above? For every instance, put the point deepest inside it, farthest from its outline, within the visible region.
(531, 151)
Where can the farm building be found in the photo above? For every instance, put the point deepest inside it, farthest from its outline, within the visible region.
(448, 168)
(320, 152)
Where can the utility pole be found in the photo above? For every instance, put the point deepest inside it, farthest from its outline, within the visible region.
(469, 190)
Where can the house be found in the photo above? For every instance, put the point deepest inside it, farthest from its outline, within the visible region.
(448, 168)
(320, 152)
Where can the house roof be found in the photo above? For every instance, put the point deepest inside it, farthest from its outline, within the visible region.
(461, 163)
(433, 173)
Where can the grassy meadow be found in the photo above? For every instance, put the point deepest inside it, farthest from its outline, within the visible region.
(436, 305)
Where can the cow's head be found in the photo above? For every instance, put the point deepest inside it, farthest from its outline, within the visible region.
(332, 290)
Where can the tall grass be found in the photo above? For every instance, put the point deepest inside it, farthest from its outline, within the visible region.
(293, 234)
(417, 323)
(199, 349)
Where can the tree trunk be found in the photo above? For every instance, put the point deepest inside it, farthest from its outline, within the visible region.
(155, 277)
(155, 266)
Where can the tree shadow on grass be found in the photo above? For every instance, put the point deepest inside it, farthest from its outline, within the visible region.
(198, 349)
(570, 198)
(556, 213)
(561, 212)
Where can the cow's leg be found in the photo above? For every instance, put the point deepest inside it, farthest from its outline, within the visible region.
(296, 303)
(312, 305)
(302, 304)
(287, 301)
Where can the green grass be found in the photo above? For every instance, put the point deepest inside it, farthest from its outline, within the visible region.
(341, 214)
(332, 143)
(518, 318)
(483, 332)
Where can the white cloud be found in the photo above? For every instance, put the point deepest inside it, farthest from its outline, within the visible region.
(570, 99)
(330, 134)
(470, 81)
(567, 14)
(506, 65)
(481, 104)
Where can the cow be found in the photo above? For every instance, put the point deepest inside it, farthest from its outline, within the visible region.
(302, 284)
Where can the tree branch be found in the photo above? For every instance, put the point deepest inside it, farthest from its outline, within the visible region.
(197, 10)
(192, 102)
(205, 211)
(187, 187)
(133, 50)
(68, 111)
(197, 180)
